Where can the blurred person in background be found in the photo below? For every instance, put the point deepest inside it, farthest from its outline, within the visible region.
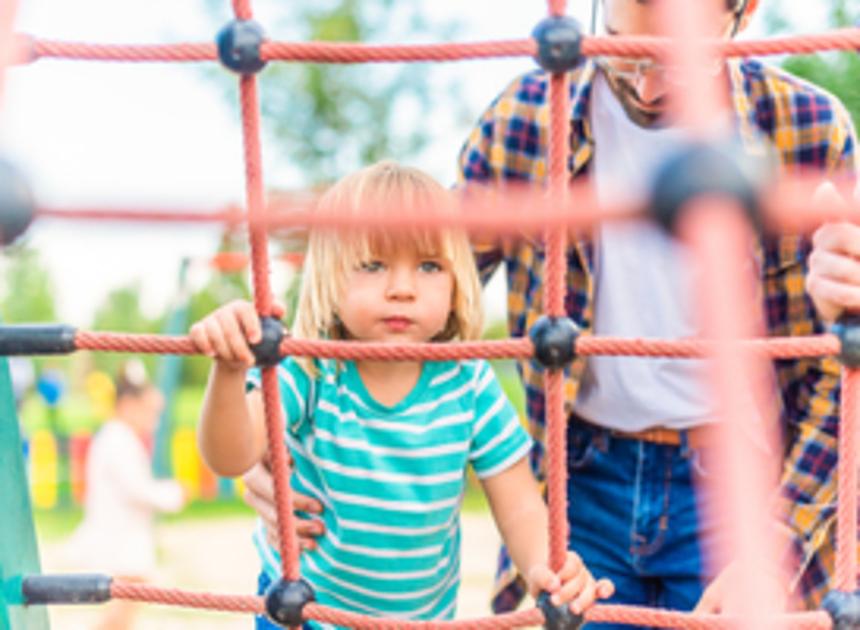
(116, 536)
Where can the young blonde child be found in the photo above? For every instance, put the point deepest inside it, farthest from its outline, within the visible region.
(384, 446)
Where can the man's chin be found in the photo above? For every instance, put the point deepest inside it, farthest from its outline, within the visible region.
(651, 114)
(646, 115)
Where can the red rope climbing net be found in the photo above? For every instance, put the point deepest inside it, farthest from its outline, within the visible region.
(716, 236)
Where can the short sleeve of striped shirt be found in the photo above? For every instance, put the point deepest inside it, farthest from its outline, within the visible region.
(498, 438)
(294, 384)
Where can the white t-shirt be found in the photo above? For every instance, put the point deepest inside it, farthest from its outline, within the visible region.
(116, 535)
(644, 287)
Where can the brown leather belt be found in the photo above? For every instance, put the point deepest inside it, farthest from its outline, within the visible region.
(697, 437)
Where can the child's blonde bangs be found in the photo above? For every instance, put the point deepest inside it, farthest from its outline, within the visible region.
(378, 191)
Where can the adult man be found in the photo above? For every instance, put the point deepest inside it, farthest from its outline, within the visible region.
(637, 426)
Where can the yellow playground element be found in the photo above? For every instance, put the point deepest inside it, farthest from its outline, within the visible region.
(44, 469)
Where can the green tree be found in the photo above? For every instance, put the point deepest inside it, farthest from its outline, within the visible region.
(28, 290)
(836, 72)
(331, 119)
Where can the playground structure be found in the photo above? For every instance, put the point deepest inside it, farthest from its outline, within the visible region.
(708, 200)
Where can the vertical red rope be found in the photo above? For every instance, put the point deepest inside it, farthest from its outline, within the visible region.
(242, 9)
(254, 196)
(263, 303)
(698, 100)
(846, 536)
(8, 10)
(554, 297)
(556, 8)
(718, 235)
(281, 475)
(556, 241)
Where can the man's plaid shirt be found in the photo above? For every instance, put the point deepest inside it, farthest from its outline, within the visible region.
(809, 130)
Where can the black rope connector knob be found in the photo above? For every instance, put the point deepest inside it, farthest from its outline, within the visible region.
(848, 331)
(81, 588)
(559, 41)
(285, 600)
(239, 44)
(268, 351)
(558, 617)
(699, 170)
(554, 340)
(844, 609)
(16, 203)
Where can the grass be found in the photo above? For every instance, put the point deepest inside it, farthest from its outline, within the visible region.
(59, 523)
(475, 501)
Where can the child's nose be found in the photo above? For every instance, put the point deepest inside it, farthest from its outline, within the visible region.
(401, 284)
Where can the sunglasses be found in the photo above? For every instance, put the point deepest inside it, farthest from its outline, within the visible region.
(631, 71)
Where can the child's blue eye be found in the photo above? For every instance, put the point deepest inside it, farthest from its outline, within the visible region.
(372, 266)
(430, 266)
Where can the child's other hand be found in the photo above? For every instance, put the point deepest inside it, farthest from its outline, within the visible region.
(574, 584)
(226, 333)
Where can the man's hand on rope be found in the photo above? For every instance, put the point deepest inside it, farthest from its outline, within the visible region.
(722, 597)
(833, 280)
(225, 334)
(573, 584)
(260, 495)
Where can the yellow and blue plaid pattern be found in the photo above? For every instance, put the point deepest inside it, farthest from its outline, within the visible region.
(809, 130)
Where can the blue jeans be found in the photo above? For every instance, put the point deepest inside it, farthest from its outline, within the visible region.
(635, 517)
(261, 622)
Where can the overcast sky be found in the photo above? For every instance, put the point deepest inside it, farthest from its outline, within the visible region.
(155, 135)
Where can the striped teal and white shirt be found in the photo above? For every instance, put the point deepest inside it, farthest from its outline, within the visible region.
(391, 480)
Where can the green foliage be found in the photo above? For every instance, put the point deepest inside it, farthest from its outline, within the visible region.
(331, 119)
(836, 72)
(186, 407)
(28, 291)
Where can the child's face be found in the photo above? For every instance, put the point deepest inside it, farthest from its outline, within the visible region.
(399, 296)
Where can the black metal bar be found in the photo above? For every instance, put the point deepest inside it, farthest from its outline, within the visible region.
(81, 588)
(30, 339)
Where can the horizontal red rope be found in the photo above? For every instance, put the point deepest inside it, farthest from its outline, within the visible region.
(142, 344)
(31, 49)
(789, 206)
(633, 615)
(186, 52)
(513, 348)
(339, 52)
(641, 616)
(161, 215)
(774, 348)
(503, 349)
(326, 614)
(658, 47)
(499, 216)
(187, 599)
